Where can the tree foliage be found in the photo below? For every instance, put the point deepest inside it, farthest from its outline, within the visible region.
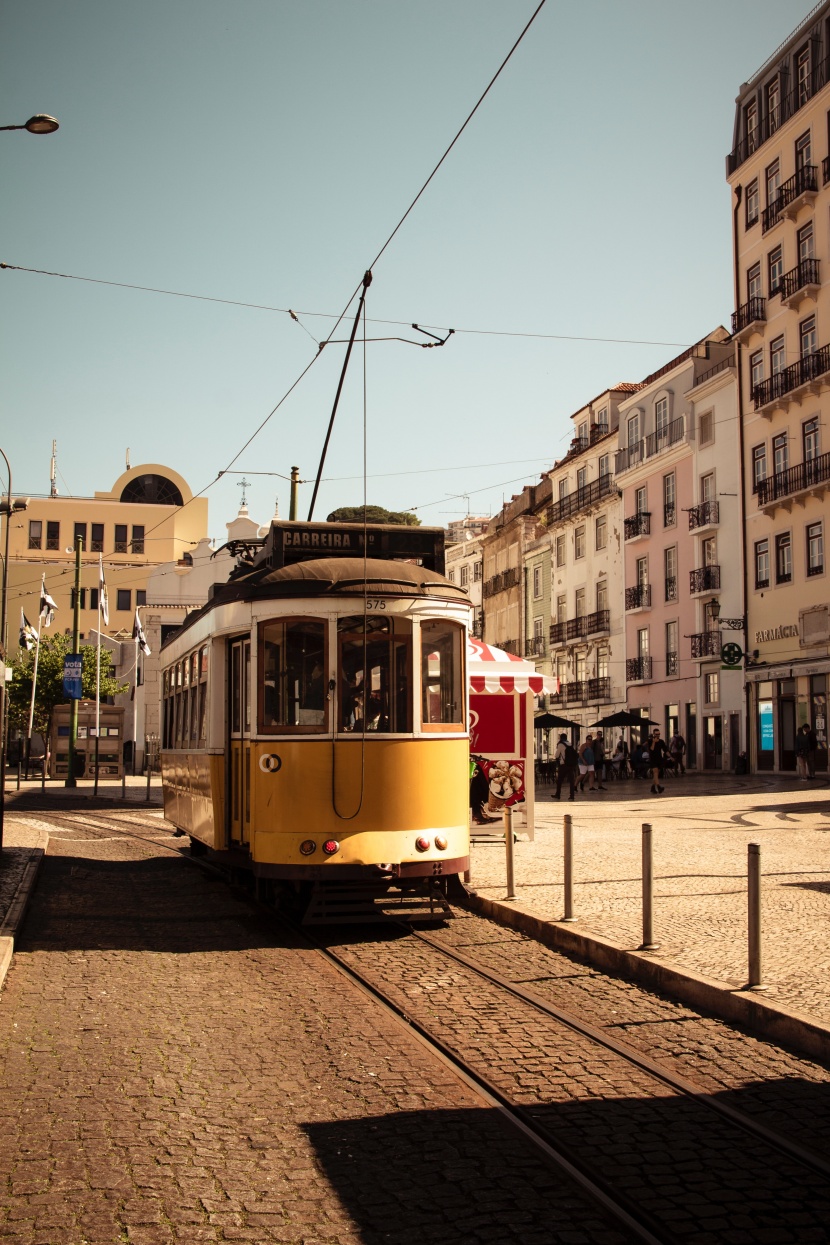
(53, 650)
(374, 514)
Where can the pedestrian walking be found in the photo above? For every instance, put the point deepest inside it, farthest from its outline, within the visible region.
(586, 764)
(802, 751)
(656, 758)
(599, 761)
(677, 752)
(568, 763)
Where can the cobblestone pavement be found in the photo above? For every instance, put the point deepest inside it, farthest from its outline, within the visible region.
(174, 1070)
(701, 829)
(696, 1174)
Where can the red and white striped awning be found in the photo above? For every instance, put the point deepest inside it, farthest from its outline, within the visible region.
(493, 670)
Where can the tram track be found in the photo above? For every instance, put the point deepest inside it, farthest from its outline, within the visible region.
(683, 1184)
(699, 1156)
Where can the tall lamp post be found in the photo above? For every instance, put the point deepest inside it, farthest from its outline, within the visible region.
(40, 123)
(8, 507)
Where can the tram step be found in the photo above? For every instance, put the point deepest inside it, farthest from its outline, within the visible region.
(331, 904)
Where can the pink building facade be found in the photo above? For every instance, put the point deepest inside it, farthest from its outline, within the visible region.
(677, 467)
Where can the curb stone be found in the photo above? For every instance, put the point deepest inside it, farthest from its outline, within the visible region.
(763, 1017)
(13, 920)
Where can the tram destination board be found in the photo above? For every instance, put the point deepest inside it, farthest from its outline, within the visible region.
(298, 541)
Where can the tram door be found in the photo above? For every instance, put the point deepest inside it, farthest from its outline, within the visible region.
(239, 743)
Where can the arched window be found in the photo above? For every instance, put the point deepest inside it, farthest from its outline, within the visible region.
(152, 490)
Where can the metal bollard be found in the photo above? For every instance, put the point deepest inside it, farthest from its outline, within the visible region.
(508, 841)
(43, 775)
(569, 869)
(124, 785)
(97, 768)
(754, 915)
(648, 943)
(19, 769)
(148, 784)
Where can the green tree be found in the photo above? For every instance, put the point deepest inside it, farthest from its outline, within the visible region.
(49, 691)
(374, 514)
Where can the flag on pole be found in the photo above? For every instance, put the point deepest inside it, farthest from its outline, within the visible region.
(103, 598)
(48, 608)
(138, 634)
(28, 635)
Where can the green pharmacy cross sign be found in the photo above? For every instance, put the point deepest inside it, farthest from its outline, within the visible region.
(731, 655)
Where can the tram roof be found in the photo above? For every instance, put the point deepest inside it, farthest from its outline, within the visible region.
(331, 577)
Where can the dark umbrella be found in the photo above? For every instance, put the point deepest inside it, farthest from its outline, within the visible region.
(546, 722)
(624, 717)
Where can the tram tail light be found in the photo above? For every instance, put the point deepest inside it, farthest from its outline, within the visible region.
(330, 847)
(422, 844)
(440, 842)
(308, 847)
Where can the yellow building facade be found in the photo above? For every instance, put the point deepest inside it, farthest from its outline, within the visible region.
(779, 172)
(148, 517)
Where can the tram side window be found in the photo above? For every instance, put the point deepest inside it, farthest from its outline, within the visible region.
(203, 684)
(292, 674)
(375, 676)
(442, 699)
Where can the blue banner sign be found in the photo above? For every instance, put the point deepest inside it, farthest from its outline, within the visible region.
(72, 676)
(765, 726)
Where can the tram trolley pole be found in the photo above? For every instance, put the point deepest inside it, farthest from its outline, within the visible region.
(569, 868)
(755, 981)
(648, 943)
(508, 842)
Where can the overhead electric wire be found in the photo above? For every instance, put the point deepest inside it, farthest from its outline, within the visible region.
(330, 315)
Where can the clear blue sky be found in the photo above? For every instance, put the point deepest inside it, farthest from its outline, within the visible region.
(263, 150)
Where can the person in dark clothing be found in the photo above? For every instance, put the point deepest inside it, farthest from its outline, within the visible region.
(657, 758)
(568, 760)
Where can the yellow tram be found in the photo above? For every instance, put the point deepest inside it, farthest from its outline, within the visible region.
(315, 715)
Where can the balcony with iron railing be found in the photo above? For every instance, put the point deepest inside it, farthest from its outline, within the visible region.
(557, 633)
(814, 474)
(511, 646)
(637, 669)
(749, 317)
(598, 431)
(799, 283)
(576, 691)
(707, 514)
(654, 443)
(781, 388)
(704, 579)
(793, 194)
(581, 499)
(767, 126)
(599, 689)
(511, 578)
(638, 598)
(598, 623)
(536, 646)
(637, 525)
(706, 644)
(672, 664)
(575, 627)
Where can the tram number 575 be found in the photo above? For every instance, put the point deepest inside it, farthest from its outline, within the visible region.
(375, 603)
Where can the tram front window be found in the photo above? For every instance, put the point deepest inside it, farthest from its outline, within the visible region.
(442, 702)
(293, 683)
(374, 675)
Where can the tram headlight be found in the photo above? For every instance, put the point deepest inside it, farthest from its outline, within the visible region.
(330, 847)
(440, 842)
(308, 847)
(422, 844)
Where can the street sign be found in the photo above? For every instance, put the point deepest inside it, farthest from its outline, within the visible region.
(731, 655)
(72, 676)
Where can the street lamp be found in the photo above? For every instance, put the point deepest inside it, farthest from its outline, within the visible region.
(40, 123)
